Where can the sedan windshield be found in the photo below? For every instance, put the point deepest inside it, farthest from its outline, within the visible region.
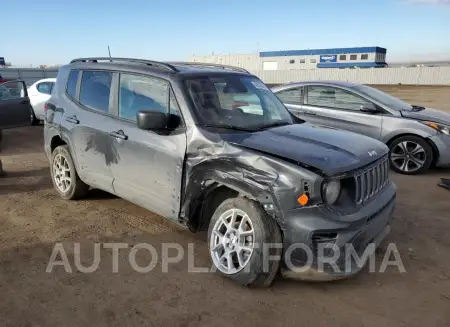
(384, 98)
(236, 102)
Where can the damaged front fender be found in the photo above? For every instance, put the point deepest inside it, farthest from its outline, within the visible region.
(276, 184)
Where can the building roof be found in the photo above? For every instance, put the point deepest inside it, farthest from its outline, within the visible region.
(314, 52)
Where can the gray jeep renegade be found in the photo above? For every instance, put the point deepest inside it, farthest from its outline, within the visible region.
(212, 148)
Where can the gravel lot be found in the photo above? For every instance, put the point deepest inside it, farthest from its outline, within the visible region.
(33, 219)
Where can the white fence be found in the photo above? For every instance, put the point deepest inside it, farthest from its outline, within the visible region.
(410, 76)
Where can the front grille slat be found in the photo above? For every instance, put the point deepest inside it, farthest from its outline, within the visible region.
(371, 181)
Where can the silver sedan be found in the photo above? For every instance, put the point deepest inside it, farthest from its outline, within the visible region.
(418, 137)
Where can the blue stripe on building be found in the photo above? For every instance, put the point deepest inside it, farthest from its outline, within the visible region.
(315, 52)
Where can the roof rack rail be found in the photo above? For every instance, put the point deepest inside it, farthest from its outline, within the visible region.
(130, 60)
(203, 64)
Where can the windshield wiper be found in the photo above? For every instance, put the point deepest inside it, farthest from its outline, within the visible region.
(417, 108)
(275, 124)
(232, 127)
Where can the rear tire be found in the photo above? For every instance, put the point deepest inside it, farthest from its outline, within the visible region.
(238, 235)
(64, 175)
(410, 155)
(33, 120)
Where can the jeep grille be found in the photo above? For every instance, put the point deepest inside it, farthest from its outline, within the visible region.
(371, 181)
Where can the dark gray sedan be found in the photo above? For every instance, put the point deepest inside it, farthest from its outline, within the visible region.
(418, 137)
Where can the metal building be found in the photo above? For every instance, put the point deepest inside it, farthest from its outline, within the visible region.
(358, 57)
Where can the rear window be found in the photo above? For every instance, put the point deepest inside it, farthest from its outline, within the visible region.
(72, 83)
(44, 87)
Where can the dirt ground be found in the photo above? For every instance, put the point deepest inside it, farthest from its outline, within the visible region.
(33, 219)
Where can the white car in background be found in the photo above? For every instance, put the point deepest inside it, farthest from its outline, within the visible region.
(39, 93)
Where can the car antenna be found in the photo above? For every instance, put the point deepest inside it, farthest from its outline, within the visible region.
(109, 52)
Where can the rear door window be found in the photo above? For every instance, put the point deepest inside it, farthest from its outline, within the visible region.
(331, 97)
(95, 90)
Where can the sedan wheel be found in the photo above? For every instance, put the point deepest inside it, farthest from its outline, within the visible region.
(33, 119)
(410, 155)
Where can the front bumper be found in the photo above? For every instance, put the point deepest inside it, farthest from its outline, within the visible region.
(442, 143)
(309, 233)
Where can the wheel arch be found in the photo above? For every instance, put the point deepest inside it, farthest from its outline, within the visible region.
(207, 189)
(59, 139)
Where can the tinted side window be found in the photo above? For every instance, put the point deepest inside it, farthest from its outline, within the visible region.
(44, 87)
(293, 96)
(325, 96)
(72, 83)
(95, 89)
(141, 93)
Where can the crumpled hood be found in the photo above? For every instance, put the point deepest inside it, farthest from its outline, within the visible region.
(330, 150)
(429, 114)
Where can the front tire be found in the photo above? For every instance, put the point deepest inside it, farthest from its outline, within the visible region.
(410, 155)
(239, 235)
(64, 175)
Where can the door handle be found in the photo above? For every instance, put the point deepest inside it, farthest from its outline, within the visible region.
(310, 113)
(73, 119)
(119, 134)
(25, 102)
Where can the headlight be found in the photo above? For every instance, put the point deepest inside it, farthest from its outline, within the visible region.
(331, 191)
(439, 127)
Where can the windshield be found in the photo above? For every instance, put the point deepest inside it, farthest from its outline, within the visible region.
(383, 98)
(237, 102)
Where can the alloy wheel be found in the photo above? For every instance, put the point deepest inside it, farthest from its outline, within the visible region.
(61, 173)
(408, 156)
(232, 241)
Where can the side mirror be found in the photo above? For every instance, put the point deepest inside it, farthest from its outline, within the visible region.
(151, 119)
(369, 108)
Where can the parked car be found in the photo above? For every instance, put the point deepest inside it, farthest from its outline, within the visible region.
(14, 105)
(39, 93)
(417, 137)
(177, 139)
(4, 80)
